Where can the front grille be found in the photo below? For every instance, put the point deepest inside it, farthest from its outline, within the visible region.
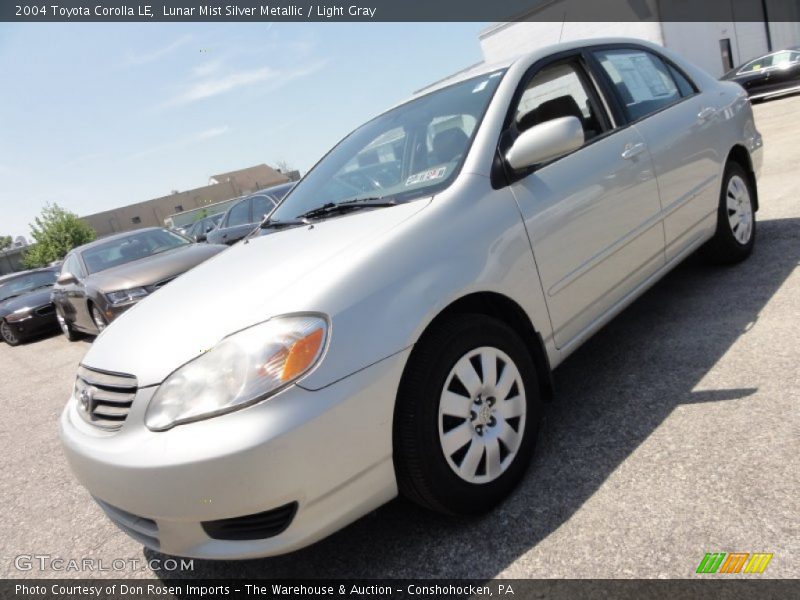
(252, 527)
(46, 310)
(104, 399)
(143, 530)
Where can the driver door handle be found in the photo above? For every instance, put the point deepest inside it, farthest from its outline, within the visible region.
(632, 150)
(706, 113)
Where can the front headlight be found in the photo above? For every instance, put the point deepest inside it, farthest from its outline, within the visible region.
(130, 295)
(19, 315)
(242, 369)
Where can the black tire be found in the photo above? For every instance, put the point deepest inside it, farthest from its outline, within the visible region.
(9, 337)
(423, 473)
(99, 320)
(68, 332)
(724, 248)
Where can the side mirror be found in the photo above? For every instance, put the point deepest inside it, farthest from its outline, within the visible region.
(545, 141)
(66, 279)
(201, 237)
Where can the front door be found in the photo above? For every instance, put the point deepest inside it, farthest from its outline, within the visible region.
(593, 216)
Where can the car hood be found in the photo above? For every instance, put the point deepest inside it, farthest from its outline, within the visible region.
(153, 269)
(33, 299)
(247, 284)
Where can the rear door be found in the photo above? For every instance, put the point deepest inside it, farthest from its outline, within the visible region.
(593, 216)
(679, 125)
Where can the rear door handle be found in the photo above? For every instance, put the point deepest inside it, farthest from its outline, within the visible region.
(632, 150)
(706, 113)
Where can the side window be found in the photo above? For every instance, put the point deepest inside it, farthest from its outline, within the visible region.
(643, 82)
(261, 206)
(782, 59)
(684, 86)
(72, 265)
(239, 215)
(760, 63)
(558, 91)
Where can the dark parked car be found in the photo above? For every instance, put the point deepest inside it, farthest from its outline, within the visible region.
(25, 306)
(769, 75)
(241, 218)
(200, 229)
(102, 279)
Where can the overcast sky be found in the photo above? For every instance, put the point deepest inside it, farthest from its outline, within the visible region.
(95, 116)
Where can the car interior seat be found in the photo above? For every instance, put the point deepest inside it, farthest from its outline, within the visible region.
(449, 144)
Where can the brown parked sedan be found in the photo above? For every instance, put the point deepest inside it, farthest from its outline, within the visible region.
(102, 279)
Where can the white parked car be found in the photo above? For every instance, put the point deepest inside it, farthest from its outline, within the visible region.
(393, 324)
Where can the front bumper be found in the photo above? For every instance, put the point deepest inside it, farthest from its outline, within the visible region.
(330, 451)
(39, 322)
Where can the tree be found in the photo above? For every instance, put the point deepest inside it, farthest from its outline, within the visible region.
(283, 166)
(56, 232)
(5, 242)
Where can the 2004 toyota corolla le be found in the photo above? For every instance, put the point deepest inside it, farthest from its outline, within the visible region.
(392, 325)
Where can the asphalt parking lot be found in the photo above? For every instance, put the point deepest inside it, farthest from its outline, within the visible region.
(674, 433)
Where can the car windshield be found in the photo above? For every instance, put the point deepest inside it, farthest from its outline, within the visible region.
(129, 248)
(26, 283)
(409, 152)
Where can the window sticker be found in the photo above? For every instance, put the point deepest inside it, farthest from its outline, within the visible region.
(428, 175)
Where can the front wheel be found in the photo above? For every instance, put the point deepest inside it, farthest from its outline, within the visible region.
(467, 415)
(99, 320)
(736, 219)
(8, 334)
(65, 328)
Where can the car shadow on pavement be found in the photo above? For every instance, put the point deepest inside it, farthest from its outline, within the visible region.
(611, 395)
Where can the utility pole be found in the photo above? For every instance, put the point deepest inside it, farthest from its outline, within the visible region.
(766, 25)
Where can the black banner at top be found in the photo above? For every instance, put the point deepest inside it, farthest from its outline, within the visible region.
(399, 10)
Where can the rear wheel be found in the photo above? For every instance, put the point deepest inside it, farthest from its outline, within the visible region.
(467, 415)
(65, 328)
(736, 221)
(8, 334)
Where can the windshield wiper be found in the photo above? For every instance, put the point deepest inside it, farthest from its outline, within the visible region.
(354, 204)
(276, 223)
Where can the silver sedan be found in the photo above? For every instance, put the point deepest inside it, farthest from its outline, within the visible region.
(392, 325)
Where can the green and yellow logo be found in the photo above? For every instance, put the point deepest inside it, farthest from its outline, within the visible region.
(734, 562)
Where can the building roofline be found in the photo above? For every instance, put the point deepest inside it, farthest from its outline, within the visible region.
(499, 26)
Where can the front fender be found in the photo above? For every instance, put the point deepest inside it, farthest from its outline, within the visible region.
(470, 239)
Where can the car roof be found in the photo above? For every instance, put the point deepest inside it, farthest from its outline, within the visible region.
(526, 58)
(274, 188)
(288, 185)
(111, 238)
(15, 275)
